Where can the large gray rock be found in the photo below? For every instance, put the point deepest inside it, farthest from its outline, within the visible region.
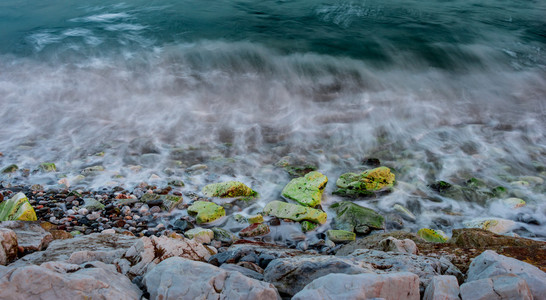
(489, 264)
(8, 246)
(508, 286)
(442, 287)
(291, 275)
(402, 285)
(96, 246)
(243, 270)
(30, 235)
(424, 267)
(58, 280)
(179, 278)
(149, 251)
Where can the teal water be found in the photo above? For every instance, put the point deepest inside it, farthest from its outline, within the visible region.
(438, 90)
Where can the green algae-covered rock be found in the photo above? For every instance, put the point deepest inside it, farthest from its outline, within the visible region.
(254, 230)
(495, 225)
(404, 212)
(340, 236)
(294, 212)
(147, 197)
(365, 183)
(92, 204)
(10, 169)
(170, 202)
(431, 235)
(255, 219)
(228, 189)
(353, 217)
(206, 211)
(223, 235)
(308, 226)
(306, 190)
(17, 208)
(48, 167)
(200, 235)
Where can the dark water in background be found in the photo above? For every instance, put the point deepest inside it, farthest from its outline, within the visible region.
(435, 89)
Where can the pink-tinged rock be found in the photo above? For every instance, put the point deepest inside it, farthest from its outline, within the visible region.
(256, 229)
(442, 287)
(403, 285)
(507, 286)
(8, 246)
(30, 235)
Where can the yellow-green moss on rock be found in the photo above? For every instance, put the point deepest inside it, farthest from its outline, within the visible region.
(17, 208)
(294, 212)
(306, 190)
(431, 235)
(206, 211)
(48, 167)
(228, 189)
(365, 183)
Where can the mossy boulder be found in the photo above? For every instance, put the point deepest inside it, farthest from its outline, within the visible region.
(355, 218)
(17, 208)
(48, 167)
(294, 212)
(431, 235)
(340, 236)
(206, 211)
(10, 169)
(365, 183)
(306, 190)
(228, 189)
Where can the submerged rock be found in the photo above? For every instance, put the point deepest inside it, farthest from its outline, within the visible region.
(48, 167)
(306, 190)
(340, 236)
(228, 189)
(17, 208)
(206, 211)
(431, 235)
(403, 285)
(353, 217)
(10, 169)
(495, 225)
(365, 183)
(294, 212)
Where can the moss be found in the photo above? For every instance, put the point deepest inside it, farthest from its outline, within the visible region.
(306, 190)
(340, 236)
(206, 211)
(17, 208)
(365, 183)
(294, 212)
(228, 189)
(431, 235)
(308, 226)
(10, 169)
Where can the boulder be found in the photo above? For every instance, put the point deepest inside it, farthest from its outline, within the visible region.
(365, 183)
(206, 211)
(57, 280)
(229, 189)
(200, 235)
(403, 285)
(17, 208)
(508, 286)
(442, 287)
(294, 212)
(340, 236)
(291, 275)
(353, 217)
(30, 235)
(495, 225)
(425, 267)
(146, 253)
(306, 190)
(8, 246)
(489, 264)
(431, 235)
(179, 278)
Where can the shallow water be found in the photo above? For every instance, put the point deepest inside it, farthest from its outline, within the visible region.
(436, 90)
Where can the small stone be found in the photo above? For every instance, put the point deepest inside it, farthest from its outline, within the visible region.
(229, 189)
(255, 219)
(396, 245)
(223, 235)
(431, 235)
(48, 167)
(254, 230)
(404, 212)
(155, 209)
(206, 211)
(307, 226)
(92, 204)
(200, 235)
(340, 236)
(514, 202)
(108, 231)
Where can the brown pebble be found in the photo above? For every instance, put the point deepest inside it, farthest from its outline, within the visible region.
(128, 218)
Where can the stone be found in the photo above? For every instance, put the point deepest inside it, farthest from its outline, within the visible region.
(255, 219)
(265, 253)
(228, 189)
(92, 204)
(513, 202)
(66, 281)
(90, 171)
(403, 285)
(8, 246)
(489, 264)
(101, 247)
(425, 267)
(353, 217)
(254, 230)
(17, 208)
(365, 183)
(10, 169)
(224, 235)
(396, 245)
(48, 167)
(431, 235)
(171, 202)
(30, 235)
(291, 275)
(495, 225)
(296, 167)
(308, 226)
(147, 252)
(294, 212)
(404, 212)
(442, 287)
(374, 241)
(206, 211)
(247, 272)
(306, 190)
(200, 235)
(507, 286)
(340, 236)
(178, 278)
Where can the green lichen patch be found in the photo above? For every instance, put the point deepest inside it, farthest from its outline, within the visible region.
(48, 167)
(308, 226)
(365, 183)
(17, 208)
(340, 236)
(431, 235)
(306, 190)
(228, 189)
(255, 219)
(294, 212)
(10, 169)
(355, 218)
(206, 211)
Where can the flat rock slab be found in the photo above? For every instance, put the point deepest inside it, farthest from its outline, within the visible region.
(179, 278)
(403, 285)
(30, 235)
(507, 286)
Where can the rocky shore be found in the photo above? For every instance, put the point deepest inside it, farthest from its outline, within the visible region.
(165, 242)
